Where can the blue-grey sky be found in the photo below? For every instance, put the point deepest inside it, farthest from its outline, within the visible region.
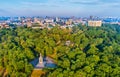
(59, 7)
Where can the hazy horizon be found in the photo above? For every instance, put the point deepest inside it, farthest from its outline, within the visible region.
(60, 8)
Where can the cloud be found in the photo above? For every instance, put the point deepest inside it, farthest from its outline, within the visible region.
(39, 4)
(71, 3)
(5, 12)
(60, 6)
(83, 1)
(96, 3)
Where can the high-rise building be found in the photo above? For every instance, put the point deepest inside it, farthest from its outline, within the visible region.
(94, 23)
(29, 24)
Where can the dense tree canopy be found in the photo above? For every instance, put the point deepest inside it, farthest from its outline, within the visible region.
(89, 52)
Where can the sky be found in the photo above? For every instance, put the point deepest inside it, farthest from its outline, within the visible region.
(81, 8)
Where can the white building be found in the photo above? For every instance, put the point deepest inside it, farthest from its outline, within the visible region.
(94, 23)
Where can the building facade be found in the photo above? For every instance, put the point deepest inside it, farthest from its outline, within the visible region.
(94, 23)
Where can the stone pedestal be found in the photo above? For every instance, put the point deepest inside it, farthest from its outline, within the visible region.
(40, 63)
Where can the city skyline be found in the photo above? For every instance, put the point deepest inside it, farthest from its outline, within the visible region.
(59, 8)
